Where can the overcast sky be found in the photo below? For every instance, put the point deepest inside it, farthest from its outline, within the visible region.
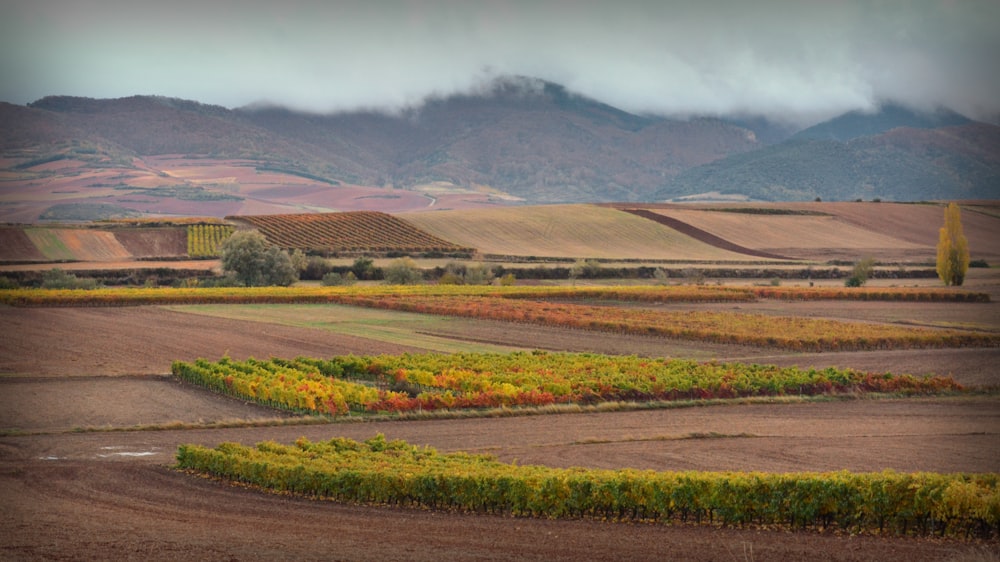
(803, 59)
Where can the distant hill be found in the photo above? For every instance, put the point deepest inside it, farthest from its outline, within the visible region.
(895, 154)
(889, 116)
(520, 139)
(523, 137)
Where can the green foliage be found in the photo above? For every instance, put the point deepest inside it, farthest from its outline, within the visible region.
(862, 271)
(58, 279)
(249, 257)
(8, 283)
(363, 268)
(478, 275)
(508, 280)
(334, 279)
(403, 271)
(299, 260)
(952, 248)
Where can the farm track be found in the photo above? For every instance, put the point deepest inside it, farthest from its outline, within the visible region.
(96, 495)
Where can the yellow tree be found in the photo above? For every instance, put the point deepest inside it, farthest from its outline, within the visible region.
(952, 248)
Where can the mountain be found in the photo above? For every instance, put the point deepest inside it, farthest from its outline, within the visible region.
(523, 137)
(516, 139)
(894, 154)
(889, 116)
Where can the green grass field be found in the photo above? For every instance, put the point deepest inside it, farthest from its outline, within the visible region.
(401, 328)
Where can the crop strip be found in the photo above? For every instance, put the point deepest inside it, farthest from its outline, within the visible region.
(433, 381)
(384, 472)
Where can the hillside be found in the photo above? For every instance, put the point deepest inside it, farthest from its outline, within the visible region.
(517, 140)
(902, 164)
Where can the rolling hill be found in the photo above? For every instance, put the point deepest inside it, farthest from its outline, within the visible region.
(895, 154)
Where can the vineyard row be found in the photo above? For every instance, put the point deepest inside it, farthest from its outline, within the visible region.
(430, 381)
(378, 471)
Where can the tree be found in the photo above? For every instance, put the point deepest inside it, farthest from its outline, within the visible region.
(254, 262)
(863, 269)
(403, 271)
(952, 248)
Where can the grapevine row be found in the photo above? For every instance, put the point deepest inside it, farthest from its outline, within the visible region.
(205, 240)
(795, 333)
(431, 381)
(378, 471)
(348, 231)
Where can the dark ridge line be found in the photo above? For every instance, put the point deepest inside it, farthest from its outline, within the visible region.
(703, 236)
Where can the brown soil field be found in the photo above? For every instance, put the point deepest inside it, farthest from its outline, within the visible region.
(574, 231)
(153, 242)
(93, 495)
(798, 236)
(17, 246)
(852, 229)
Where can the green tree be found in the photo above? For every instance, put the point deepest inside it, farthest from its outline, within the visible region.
(952, 248)
(363, 268)
(863, 270)
(254, 262)
(403, 271)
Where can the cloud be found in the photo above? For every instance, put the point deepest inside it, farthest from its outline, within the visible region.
(804, 60)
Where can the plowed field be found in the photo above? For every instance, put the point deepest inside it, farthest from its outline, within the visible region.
(111, 494)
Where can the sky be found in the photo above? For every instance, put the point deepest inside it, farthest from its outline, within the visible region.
(803, 60)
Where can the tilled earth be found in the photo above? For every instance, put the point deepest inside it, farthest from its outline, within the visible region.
(96, 495)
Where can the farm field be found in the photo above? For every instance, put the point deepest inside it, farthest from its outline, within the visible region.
(90, 418)
(96, 492)
(574, 231)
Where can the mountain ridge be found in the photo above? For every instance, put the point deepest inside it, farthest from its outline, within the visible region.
(529, 140)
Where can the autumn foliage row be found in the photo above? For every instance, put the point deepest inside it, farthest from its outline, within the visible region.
(378, 471)
(431, 381)
(795, 333)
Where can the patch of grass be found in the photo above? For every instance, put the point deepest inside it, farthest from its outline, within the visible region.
(402, 328)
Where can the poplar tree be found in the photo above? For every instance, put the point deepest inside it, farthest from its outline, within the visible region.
(952, 248)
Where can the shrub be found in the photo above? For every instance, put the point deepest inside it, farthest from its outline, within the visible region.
(508, 280)
(478, 275)
(363, 268)
(316, 267)
(8, 283)
(862, 271)
(255, 262)
(334, 279)
(58, 279)
(403, 271)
